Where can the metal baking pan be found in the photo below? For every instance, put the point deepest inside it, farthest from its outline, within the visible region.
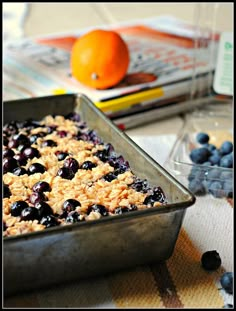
(62, 254)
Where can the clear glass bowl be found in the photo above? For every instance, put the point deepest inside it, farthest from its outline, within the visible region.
(217, 121)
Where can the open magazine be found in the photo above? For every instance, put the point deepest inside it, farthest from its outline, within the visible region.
(166, 54)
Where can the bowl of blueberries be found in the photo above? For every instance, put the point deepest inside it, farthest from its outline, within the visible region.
(202, 157)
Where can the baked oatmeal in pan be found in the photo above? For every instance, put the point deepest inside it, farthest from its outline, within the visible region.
(58, 171)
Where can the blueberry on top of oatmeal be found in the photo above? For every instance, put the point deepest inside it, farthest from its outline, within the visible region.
(36, 197)
(17, 207)
(72, 164)
(49, 221)
(73, 217)
(31, 153)
(18, 171)
(29, 213)
(66, 173)
(6, 191)
(87, 165)
(109, 177)
(49, 143)
(20, 158)
(9, 164)
(8, 153)
(61, 155)
(70, 205)
(41, 186)
(97, 208)
(36, 168)
(44, 209)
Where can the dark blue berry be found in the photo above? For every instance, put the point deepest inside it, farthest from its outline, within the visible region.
(72, 164)
(49, 221)
(49, 143)
(41, 186)
(70, 205)
(211, 260)
(199, 155)
(36, 197)
(73, 217)
(202, 138)
(213, 173)
(109, 177)
(226, 282)
(6, 191)
(66, 173)
(216, 189)
(43, 208)
(9, 164)
(62, 133)
(8, 153)
(121, 210)
(36, 168)
(197, 187)
(29, 213)
(98, 208)
(88, 165)
(61, 155)
(18, 171)
(226, 161)
(226, 147)
(31, 153)
(21, 159)
(17, 207)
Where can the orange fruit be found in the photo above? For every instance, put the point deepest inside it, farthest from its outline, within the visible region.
(99, 59)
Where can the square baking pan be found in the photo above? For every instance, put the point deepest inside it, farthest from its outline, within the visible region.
(67, 253)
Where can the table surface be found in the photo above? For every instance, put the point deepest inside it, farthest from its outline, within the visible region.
(130, 289)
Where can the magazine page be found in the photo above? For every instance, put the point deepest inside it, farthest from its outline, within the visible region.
(163, 51)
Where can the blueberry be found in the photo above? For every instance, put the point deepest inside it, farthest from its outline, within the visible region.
(66, 173)
(29, 213)
(9, 164)
(102, 155)
(202, 138)
(21, 159)
(197, 187)
(51, 128)
(196, 173)
(226, 282)
(21, 139)
(88, 165)
(226, 161)
(49, 221)
(215, 158)
(213, 173)
(70, 205)
(6, 191)
(226, 147)
(73, 116)
(122, 169)
(121, 210)
(43, 208)
(31, 153)
(207, 163)
(62, 133)
(157, 196)
(210, 147)
(98, 208)
(36, 168)
(228, 188)
(41, 186)
(49, 143)
(72, 164)
(226, 175)
(109, 177)
(216, 189)
(61, 155)
(211, 260)
(36, 197)
(18, 171)
(73, 217)
(199, 155)
(8, 153)
(140, 185)
(17, 207)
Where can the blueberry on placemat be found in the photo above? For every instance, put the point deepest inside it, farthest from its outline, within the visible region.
(211, 260)
(226, 282)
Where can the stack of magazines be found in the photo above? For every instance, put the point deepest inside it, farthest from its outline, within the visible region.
(166, 54)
